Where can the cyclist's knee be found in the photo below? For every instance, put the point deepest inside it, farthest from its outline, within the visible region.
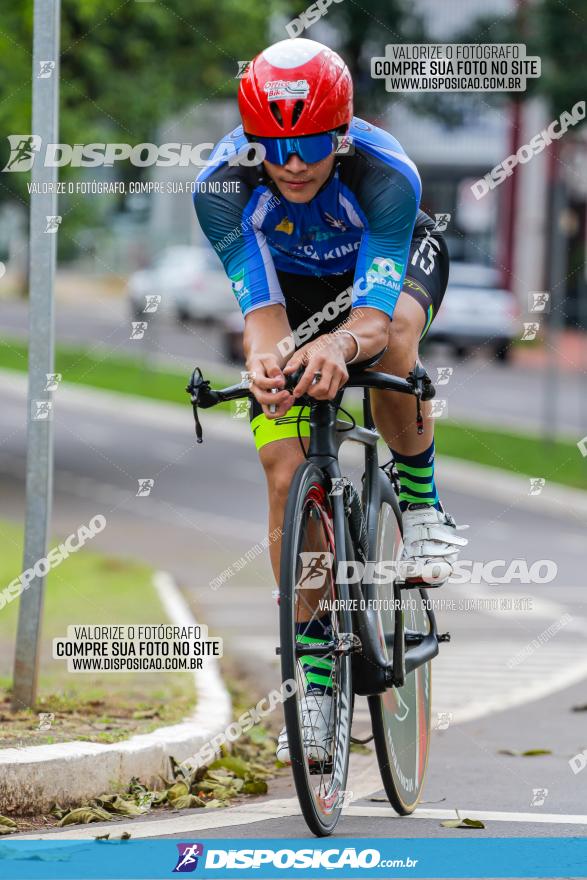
(280, 461)
(404, 334)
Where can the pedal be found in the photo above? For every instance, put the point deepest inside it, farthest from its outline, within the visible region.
(443, 637)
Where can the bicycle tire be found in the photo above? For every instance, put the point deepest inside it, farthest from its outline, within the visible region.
(321, 807)
(401, 717)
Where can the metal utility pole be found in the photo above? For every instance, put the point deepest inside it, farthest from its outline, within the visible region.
(557, 272)
(42, 257)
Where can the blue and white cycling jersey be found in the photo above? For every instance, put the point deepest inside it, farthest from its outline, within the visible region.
(362, 219)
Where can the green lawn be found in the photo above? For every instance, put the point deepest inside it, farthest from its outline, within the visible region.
(560, 461)
(101, 369)
(87, 588)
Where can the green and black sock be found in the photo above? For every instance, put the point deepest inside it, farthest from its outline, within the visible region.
(317, 670)
(416, 474)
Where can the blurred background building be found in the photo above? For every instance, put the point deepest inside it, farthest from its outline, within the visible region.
(531, 228)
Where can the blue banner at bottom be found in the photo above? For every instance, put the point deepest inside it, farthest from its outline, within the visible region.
(225, 859)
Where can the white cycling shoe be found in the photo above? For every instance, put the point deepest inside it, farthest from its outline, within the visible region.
(431, 545)
(318, 726)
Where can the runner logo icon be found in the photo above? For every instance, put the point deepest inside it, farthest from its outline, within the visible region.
(187, 860)
(315, 568)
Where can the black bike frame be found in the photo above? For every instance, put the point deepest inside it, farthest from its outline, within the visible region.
(374, 674)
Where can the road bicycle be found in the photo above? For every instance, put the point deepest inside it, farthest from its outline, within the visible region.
(378, 643)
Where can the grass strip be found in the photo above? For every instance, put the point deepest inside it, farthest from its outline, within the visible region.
(559, 461)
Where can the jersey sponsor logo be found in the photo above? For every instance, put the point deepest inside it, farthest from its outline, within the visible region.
(317, 233)
(285, 225)
(283, 90)
(239, 288)
(335, 222)
(410, 284)
(385, 272)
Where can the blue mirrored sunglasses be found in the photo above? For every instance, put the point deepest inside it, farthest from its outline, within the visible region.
(310, 148)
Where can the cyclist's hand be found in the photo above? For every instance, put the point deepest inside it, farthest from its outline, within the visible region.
(325, 372)
(266, 374)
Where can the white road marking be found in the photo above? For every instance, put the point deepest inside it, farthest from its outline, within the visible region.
(283, 808)
(485, 815)
(542, 609)
(471, 685)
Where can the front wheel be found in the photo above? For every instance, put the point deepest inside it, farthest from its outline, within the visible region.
(315, 656)
(401, 716)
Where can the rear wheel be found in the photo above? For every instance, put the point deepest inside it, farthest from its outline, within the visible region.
(309, 539)
(401, 716)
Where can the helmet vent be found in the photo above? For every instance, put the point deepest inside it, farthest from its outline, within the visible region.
(297, 112)
(276, 113)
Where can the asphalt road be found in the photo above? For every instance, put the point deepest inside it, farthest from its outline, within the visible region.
(479, 389)
(207, 508)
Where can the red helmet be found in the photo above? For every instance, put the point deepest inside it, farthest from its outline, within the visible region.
(293, 88)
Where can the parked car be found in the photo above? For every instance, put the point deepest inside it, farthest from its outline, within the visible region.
(476, 311)
(190, 282)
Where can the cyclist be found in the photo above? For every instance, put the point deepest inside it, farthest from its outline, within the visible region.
(332, 263)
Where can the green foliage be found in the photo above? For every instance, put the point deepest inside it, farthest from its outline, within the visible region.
(560, 40)
(125, 67)
(551, 30)
(362, 31)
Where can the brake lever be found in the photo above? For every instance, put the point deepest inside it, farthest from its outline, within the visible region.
(197, 388)
(423, 389)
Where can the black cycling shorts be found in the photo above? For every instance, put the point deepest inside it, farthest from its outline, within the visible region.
(425, 281)
(307, 295)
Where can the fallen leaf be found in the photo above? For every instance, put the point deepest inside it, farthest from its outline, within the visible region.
(237, 765)
(187, 801)
(462, 823)
(120, 806)
(258, 735)
(85, 815)
(7, 826)
(177, 790)
(222, 775)
(255, 786)
(529, 753)
(58, 811)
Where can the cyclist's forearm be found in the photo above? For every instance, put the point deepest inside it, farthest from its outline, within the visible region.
(267, 331)
(371, 329)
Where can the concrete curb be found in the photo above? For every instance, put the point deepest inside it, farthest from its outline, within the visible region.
(32, 779)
